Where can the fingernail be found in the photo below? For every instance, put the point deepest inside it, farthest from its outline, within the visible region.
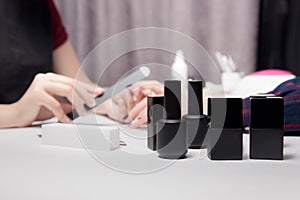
(98, 90)
(135, 121)
(125, 117)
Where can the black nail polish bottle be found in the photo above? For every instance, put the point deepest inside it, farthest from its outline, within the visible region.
(155, 112)
(196, 122)
(225, 130)
(266, 127)
(171, 136)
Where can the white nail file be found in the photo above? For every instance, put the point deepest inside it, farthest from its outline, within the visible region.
(90, 137)
(142, 73)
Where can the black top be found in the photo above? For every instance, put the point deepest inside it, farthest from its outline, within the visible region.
(173, 99)
(267, 112)
(195, 98)
(225, 112)
(26, 45)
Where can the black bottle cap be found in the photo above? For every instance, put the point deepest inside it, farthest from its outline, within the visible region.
(209, 107)
(155, 108)
(225, 112)
(195, 98)
(267, 112)
(173, 99)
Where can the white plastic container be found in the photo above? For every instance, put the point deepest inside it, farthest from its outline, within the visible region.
(90, 137)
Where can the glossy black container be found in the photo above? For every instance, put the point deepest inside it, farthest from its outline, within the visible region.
(196, 122)
(266, 127)
(171, 136)
(225, 129)
(155, 112)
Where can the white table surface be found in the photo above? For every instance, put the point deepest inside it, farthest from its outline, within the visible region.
(31, 170)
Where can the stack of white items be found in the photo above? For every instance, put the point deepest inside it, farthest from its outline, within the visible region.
(235, 85)
(248, 85)
(260, 82)
(91, 132)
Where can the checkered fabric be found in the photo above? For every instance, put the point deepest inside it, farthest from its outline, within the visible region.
(290, 91)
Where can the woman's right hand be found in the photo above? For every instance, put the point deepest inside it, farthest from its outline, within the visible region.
(40, 100)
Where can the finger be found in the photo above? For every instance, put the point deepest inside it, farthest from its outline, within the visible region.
(138, 108)
(138, 84)
(138, 89)
(98, 90)
(88, 93)
(141, 84)
(128, 100)
(140, 119)
(78, 103)
(86, 96)
(157, 89)
(130, 103)
(116, 97)
(75, 83)
(122, 102)
(147, 92)
(122, 107)
(54, 106)
(60, 78)
(124, 94)
(135, 90)
(62, 89)
(67, 91)
(138, 95)
(59, 89)
(91, 88)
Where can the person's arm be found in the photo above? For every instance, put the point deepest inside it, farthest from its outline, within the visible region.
(40, 102)
(65, 62)
(8, 116)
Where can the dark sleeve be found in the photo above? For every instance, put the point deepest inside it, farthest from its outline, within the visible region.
(290, 91)
(59, 33)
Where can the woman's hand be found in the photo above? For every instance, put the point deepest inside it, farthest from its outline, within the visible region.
(140, 91)
(130, 106)
(40, 100)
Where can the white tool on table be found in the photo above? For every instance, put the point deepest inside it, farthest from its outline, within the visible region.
(90, 137)
(231, 75)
